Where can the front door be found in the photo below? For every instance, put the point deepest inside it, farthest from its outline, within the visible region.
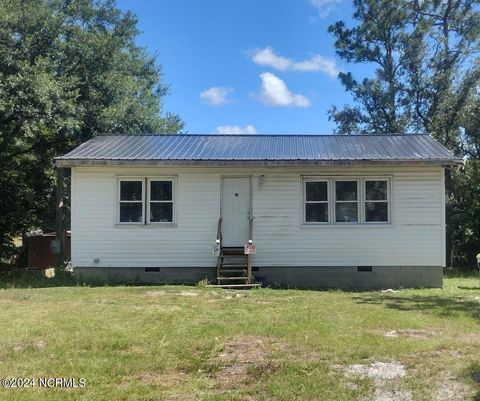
(235, 211)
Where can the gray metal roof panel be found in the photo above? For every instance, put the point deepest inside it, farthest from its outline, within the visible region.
(394, 147)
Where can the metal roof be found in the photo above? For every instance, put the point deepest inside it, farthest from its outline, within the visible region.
(258, 149)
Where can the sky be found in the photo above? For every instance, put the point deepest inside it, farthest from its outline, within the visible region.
(247, 66)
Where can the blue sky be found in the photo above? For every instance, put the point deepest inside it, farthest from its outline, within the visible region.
(259, 66)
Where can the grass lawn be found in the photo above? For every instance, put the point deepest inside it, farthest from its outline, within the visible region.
(195, 343)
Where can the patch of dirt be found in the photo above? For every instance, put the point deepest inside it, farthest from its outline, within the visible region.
(262, 302)
(18, 348)
(236, 295)
(386, 377)
(157, 293)
(434, 354)
(450, 388)
(378, 370)
(410, 333)
(248, 358)
(188, 294)
(169, 380)
(241, 357)
(382, 394)
(162, 379)
(448, 385)
(244, 359)
(469, 338)
(37, 345)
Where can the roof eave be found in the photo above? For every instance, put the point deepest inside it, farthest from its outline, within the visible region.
(59, 162)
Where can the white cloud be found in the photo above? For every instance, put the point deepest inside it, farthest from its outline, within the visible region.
(236, 129)
(274, 92)
(267, 57)
(216, 95)
(316, 63)
(324, 7)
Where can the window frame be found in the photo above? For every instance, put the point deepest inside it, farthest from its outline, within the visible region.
(146, 201)
(149, 201)
(119, 201)
(388, 201)
(361, 199)
(305, 181)
(358, 201)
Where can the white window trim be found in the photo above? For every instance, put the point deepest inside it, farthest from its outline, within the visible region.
(149, 201)
(146, 201)
(357, 201)
(118, 201)
(304, 201)
(388, 201)
(361, 179)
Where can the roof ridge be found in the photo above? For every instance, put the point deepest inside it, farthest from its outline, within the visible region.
(258, 134)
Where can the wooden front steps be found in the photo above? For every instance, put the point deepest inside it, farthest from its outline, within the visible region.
(232, 269)
(235, 286)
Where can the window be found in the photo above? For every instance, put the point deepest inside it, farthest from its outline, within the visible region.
(145, 200)
(316, 201)
(346, 201)
(131, 201)
(161, 201)
(376, 201)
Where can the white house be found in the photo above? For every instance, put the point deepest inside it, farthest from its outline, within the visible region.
(363, 211)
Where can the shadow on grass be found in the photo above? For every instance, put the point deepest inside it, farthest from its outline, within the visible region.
(443, 306)
(35, 279)
(472, 374)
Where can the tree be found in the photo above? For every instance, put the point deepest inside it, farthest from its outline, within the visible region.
(380, 102)
(424, 54)
(464, 212)
(443, 69)
(69, 70)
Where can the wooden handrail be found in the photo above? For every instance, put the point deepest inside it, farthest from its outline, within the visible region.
(218, 242)
(219, 231)
(250, 256)
(250, 229)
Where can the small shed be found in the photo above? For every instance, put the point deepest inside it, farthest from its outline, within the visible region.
(39, 250)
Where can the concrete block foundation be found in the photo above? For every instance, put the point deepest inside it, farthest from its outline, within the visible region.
(344, 277)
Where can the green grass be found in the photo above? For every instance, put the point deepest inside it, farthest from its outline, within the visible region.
(194, 343)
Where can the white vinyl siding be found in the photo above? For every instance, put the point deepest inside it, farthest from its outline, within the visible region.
(414, 236)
